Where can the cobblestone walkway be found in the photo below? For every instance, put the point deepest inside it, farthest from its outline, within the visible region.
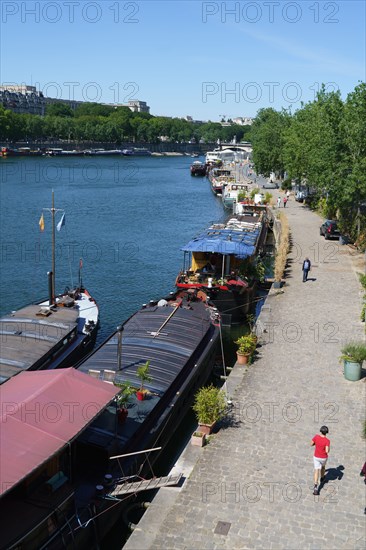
(255, 476)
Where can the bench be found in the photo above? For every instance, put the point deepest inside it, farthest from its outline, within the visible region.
(56, 481)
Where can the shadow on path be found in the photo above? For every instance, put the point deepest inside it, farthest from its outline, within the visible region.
(332, 474)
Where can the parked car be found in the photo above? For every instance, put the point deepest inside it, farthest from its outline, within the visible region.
(300, 196)
(329, 229)
(270, 185)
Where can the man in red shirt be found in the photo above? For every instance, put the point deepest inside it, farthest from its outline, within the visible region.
(322, 445)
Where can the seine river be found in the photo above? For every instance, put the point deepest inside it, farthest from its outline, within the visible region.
(127, 218)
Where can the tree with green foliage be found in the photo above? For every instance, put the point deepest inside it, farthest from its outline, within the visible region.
(352, 181)
(93, 109)
(268, 138)
(59, 109)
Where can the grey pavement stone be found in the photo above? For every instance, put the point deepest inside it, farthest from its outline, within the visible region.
(258, 474)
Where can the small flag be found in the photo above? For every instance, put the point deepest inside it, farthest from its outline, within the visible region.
(41, 223)
(61, 223)
(81, 264)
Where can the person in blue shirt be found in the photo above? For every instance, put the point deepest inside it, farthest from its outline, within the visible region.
(306, 266)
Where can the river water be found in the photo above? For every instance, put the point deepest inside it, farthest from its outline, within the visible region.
(125, 217)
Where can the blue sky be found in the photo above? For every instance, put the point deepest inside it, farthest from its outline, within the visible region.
(203, 59)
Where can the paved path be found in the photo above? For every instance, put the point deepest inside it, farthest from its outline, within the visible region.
(255, 476)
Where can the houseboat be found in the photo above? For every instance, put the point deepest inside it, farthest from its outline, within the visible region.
(221, 262)
(213, 158)
(70, 480)
(198, 168)
(232, 192)
(42, 462)
(48, 335)
(20, 152)
(219, 178)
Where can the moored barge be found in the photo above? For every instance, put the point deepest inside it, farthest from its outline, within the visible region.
(221, 262)
(198, 168)
(70, 485)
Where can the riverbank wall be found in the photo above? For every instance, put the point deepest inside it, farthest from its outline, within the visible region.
(163, 147)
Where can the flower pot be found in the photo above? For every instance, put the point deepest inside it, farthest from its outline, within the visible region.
(352, 371)
(242, 359)
(140, 395)
(206, 428)
(122, 415)
(198, 439)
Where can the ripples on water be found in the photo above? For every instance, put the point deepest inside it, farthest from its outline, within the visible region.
(126, 217)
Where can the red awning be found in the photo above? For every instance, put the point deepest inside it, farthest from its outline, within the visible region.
(41, 411)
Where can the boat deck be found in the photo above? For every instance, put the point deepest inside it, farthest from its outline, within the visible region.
(144, 338)
(30, 334)
(176, 337)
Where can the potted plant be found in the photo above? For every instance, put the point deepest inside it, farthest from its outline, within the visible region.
(198, 439)
(246, 346)
(353, 355)
(209, 406)
(122, 400)
(143, 372)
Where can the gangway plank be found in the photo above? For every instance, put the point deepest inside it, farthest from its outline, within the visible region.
(145, 485)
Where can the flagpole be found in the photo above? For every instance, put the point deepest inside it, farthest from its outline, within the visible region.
(53, 246)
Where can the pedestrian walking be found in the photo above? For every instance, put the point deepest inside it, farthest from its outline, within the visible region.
(363, 473)
(284, 201)
(288, 194)
(278, 202)
(306, 266)
(322, 445)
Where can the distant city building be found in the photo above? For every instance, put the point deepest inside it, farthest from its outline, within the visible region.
(138, 106)
(135, 105)
(243, 121)
(24, 99)
(190, 119)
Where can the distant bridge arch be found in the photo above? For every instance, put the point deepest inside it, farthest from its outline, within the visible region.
(245, 146)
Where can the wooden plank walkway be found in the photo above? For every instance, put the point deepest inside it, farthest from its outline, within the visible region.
(146, 485)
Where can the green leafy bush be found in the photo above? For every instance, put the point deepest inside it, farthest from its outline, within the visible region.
(143, 372)
(246, 344)
(209, 404)
(267, 198)
(354, 351)
(254, 192)
(286, 184)
(362, 277)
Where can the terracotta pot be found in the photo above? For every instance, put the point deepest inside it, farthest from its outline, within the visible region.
(242, 359)
(122, 415)
(198, 439)
(206, 428)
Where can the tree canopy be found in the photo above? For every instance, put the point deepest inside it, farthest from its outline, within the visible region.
(96, 122)
(323, 144)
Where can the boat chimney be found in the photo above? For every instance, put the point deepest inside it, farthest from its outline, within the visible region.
(50, 287)
(151, 303)
(119, 347)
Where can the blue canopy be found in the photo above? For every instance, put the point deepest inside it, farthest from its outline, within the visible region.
(225, 241)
